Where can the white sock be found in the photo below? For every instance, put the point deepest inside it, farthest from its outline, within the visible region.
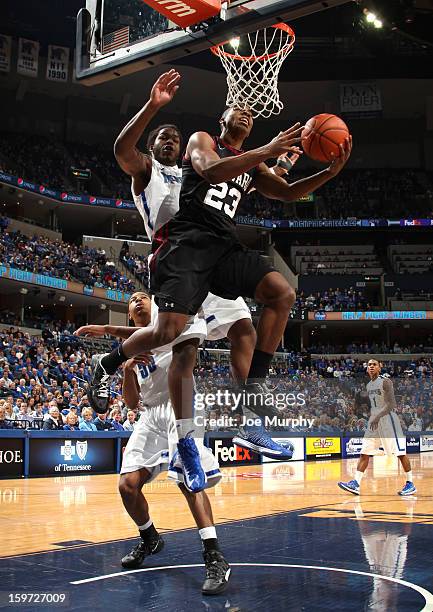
(184, 426)
(409, 476)
(207, 533)
(145, 526)
(358, 476)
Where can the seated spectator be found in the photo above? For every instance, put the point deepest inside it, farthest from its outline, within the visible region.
(86, 423)
(130, 423)
(102, 423)
(71, 422)
(4, 423)
(54, 420)
(115, 417)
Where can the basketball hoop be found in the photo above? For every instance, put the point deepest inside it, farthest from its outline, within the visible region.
(252, 77)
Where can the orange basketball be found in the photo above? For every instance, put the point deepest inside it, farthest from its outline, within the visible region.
(322, 136)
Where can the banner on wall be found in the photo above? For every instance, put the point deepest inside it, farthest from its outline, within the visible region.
(11, 457)
(426, 443)
(57, 63)
(298, 449)
(228, 454)
(351, 447)
(28, 57)
(60, 456)
(362, 100)
(5, 53)
(323, 447)
(412, 444)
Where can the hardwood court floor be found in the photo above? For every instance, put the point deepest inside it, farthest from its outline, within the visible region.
(294, 540)
(41, 513)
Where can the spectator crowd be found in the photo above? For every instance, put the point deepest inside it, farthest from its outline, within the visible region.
(40, 255)
(364, 193)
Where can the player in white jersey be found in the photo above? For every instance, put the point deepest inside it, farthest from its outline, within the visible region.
(384, 434)
(151, 446)
(156, 183)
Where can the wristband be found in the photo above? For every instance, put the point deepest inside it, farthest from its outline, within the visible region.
(286, 165)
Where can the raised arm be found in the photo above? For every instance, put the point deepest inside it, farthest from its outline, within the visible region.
(275, 187)
(208, 165)
(96, 331)
(130, 159)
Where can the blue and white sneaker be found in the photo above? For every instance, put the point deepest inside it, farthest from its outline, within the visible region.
(408, 489)
(262, 443)
(100, 386)
(352, 486)
(194, 477)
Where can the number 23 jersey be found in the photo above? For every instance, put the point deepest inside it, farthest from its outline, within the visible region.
(213, 206)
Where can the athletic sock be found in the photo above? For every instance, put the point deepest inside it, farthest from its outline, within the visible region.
(260, 364)
(113, 360)
(409, 476)
(148, 531)
(209, 538)
(358, 476)
(184, 426)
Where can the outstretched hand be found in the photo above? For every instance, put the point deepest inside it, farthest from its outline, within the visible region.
(90, 330)
(165, 88)
(282, 143)
(338, 163)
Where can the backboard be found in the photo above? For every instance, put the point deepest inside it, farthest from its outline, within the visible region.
(118, 37)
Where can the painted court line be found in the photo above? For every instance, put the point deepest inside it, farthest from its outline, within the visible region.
(426, 594)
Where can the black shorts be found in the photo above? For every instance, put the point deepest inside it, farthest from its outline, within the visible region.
(190, 261)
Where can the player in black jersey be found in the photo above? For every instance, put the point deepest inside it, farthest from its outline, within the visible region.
(198, 251)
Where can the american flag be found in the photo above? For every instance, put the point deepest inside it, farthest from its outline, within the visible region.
(115, 40)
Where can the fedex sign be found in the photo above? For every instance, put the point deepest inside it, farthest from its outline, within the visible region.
(228, 453)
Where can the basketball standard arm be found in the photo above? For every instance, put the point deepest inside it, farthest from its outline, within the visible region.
(130, 159)
(214, 170)
(276, 188)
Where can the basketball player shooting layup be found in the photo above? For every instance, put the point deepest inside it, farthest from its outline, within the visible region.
(147, 454)
(384, 431)
(198, 251)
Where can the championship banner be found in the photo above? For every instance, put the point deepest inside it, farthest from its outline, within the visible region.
(323, 447)
(57, 64)
(28, 57)
(360, 100)
(5, 53)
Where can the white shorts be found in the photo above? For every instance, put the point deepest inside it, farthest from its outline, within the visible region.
(148, 447)
(387, 439)
(221, 314)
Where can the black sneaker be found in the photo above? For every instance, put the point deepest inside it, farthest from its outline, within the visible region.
(217, 573)
(143, 549)
(99, 392)
(255, 394)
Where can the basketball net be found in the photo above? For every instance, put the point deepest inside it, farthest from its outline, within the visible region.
(252, 77)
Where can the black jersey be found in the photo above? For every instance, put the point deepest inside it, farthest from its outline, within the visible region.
(213, 206)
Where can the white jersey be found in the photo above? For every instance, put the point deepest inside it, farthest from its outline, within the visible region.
(159, 201)
(376, 395)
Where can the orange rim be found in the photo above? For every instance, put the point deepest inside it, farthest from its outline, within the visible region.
(218, 49)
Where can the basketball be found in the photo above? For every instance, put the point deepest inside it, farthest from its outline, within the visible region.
(322, 136)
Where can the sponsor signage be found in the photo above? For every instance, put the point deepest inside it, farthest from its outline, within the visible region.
(426, 443)
(60, 456)
(383, 315)
(323, 447)
(360, 100)
(228, 453)
(11, 457)
(413, 444)
(351, 447)
(297, 443)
